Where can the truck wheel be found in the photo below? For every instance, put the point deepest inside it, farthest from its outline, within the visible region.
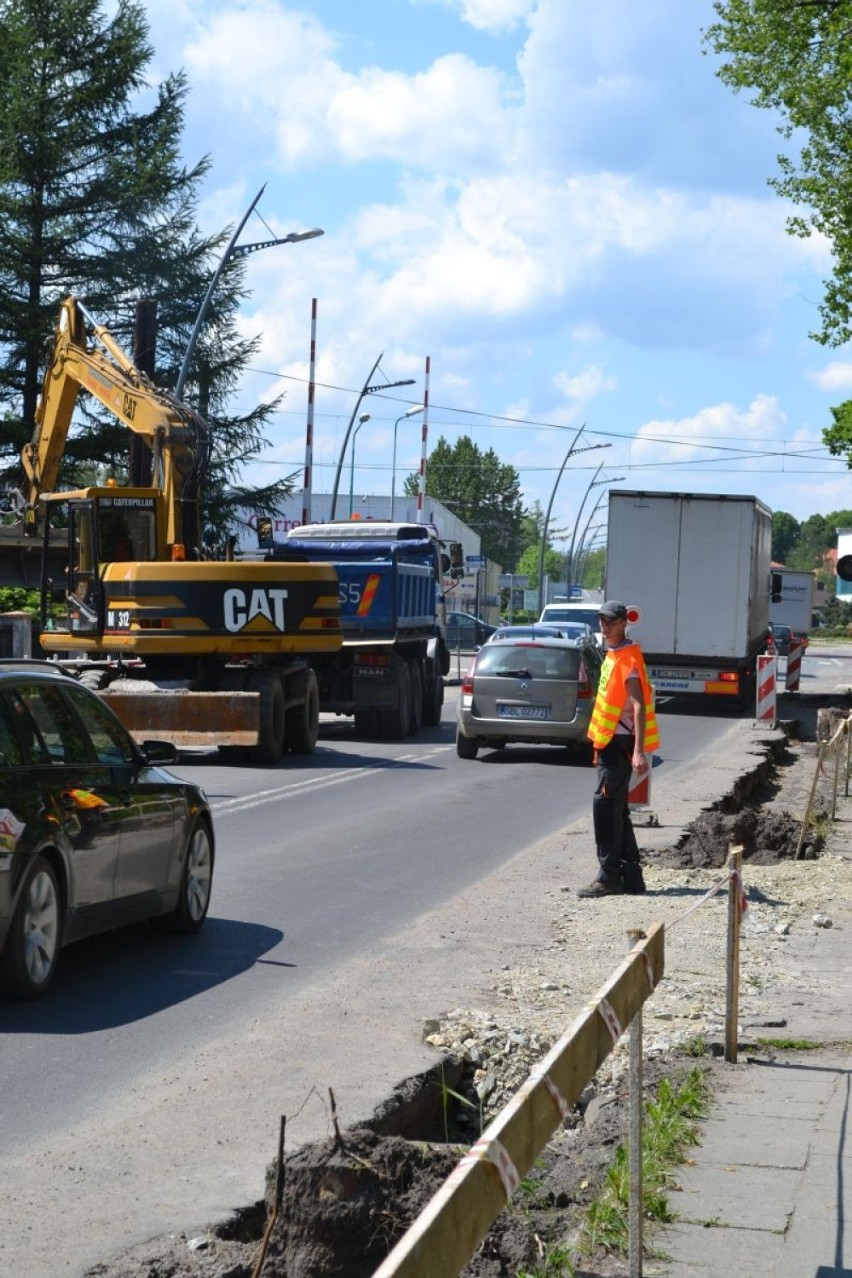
(270, 741)
(393, 724)
(415, 679)
(301, 727)
(433, 695)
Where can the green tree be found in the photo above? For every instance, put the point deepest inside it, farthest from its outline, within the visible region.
(785, 535)
(481, 491)
(594, 569)
(95, 201)
(838, 437)
(554, 565)
(793, 56)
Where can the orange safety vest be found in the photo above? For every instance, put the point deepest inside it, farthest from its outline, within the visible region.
(612, 697)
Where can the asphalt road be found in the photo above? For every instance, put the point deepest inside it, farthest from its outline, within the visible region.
(143, 1095)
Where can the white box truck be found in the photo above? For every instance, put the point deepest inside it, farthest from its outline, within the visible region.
(791, 599)
(696, 567)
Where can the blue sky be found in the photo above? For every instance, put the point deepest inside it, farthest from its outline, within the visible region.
(558, 203)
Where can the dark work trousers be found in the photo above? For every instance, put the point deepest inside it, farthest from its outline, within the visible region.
(617, 848)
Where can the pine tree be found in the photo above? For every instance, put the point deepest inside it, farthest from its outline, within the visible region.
(94, 201)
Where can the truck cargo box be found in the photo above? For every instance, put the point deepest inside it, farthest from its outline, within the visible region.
(696, 566)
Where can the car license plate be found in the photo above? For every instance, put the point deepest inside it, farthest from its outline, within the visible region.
(523, 712)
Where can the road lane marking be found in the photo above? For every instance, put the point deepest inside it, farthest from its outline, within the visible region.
(321, 783)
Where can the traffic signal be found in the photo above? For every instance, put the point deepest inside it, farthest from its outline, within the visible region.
(844, 568)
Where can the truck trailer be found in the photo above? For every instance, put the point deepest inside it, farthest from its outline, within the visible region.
(389, 672)
(791, 599)
(695, 567)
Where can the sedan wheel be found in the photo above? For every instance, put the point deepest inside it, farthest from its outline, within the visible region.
(32, 947)
(466, 747)
(196, 885)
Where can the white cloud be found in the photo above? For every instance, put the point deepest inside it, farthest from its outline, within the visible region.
(584, 386)
(495, 16)
(836, 376)
(717, 431)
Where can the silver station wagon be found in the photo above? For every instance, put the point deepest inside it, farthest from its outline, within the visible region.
(538, 691)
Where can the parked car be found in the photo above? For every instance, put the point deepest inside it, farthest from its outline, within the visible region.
(466, 631)
(801, 636)
(528, 690)
(94, 833)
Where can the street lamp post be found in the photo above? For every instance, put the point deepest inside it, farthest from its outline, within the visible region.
(365, 417)
(233, 250)
(366, 389)
(571, 450)
(411, 412)
(593, 484)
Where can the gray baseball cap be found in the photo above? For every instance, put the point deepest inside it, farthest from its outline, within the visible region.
(613, 608)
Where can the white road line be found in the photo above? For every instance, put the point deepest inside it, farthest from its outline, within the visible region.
(321, 782)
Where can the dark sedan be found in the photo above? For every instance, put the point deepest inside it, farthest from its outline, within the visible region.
(94, 833)
(466, 631)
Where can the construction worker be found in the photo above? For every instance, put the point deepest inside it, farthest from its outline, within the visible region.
(623, 730)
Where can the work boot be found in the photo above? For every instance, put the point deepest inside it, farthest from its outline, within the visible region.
(599, 888)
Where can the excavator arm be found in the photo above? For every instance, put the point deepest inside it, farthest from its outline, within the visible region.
(177, 436)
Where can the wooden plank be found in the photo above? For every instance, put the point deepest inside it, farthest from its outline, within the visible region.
(452, 1225)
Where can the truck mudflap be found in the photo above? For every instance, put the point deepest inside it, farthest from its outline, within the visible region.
(189, 718)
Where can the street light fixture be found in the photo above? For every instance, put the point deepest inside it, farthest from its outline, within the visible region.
(410, 412)
(233, 250)
(365, 417)
(366, 389)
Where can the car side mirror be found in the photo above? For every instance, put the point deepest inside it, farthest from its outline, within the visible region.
(159, 752)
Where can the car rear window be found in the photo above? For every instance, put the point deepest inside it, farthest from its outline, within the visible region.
(535, 659)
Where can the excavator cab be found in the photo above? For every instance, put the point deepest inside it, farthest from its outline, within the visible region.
(101, 527)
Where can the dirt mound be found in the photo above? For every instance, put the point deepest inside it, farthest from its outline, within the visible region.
(346, 1202)
(766, 838)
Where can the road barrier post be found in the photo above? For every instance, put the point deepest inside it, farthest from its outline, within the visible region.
(766, 689)
(794, 665)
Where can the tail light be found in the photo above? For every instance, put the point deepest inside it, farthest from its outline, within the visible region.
(584, 688)
(467, 682)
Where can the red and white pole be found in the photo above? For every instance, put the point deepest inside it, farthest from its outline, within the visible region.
(766, 689)
(794, 665)
(421, 491)
(639, 793)
(309, 435)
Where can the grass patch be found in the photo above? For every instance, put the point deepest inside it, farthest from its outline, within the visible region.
(788, 1044)
(556, 1264)
(670, 1127)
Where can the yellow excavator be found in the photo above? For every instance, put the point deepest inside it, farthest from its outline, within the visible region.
(220, 648)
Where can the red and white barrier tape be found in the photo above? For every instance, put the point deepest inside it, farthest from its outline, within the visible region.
(493, 1152)
(717, 887)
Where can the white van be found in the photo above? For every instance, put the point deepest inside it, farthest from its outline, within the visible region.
(552, 614)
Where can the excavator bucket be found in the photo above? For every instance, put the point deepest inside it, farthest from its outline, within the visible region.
(189, 718)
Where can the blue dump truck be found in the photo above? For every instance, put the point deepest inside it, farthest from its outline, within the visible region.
(389, 672)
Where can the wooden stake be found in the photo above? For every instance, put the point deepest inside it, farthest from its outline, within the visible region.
(732, 996)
